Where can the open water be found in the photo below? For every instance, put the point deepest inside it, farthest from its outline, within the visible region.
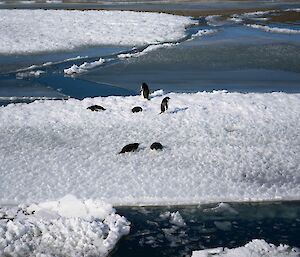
(207, 226)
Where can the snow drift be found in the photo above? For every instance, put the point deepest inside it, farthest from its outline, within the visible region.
(68, 227)
(255, 248)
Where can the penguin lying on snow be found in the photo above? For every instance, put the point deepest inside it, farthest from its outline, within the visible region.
(137, 109)
(145, 92)
(96, 108)
(129, 148)
(164, 104)
(156, 146)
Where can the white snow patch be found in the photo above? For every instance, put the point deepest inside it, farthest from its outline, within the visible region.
(30, 98)
(222, 208)
(174, 218)
(258, 15)
(293, 10)
(53, 1)
(215, 20)
(219, 147)
(274, 29)
(236, 19)
(255, 248)
(75, 69)
(36, 74)
(32, 31)
(27, 2)
(46, 64)
(146, 50)
(156, 93)
(204, 32)
(68, 227)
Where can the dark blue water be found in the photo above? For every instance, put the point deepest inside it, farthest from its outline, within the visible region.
(53, 84)
(208, 226)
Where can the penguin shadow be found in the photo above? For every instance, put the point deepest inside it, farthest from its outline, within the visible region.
(177, 109)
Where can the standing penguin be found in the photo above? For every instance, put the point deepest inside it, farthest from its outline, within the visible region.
(145, 92)
(164, 104)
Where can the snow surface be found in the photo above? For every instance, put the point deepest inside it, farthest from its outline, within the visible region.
(46, 64)
(274, 29)
(204, 32)
(214, 20)
(255, 248)
(146, 50)
(217, 147)
(28, 74)
(32, 31)
(83, 67)
(54, 1)
(68, 227)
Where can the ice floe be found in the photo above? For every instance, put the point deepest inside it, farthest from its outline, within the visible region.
(28, 74)
(204, 32)
(46, 64)
(174, 218)
(215, 20)
(75, 69)
(217, 147)
(27, 2)
(255, 248)
(274, 29)
(33, 31)
(54, 1)
(258, 15)
(146, 50)
(222, 208)
(67, 227)
(83, 67)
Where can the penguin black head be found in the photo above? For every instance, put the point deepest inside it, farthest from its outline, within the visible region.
(144, 85)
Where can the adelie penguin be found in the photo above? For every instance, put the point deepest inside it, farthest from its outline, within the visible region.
(145, 92)
(96, 108)
(137, 109)
(129, 148)
(156, 146)
(164, 104)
